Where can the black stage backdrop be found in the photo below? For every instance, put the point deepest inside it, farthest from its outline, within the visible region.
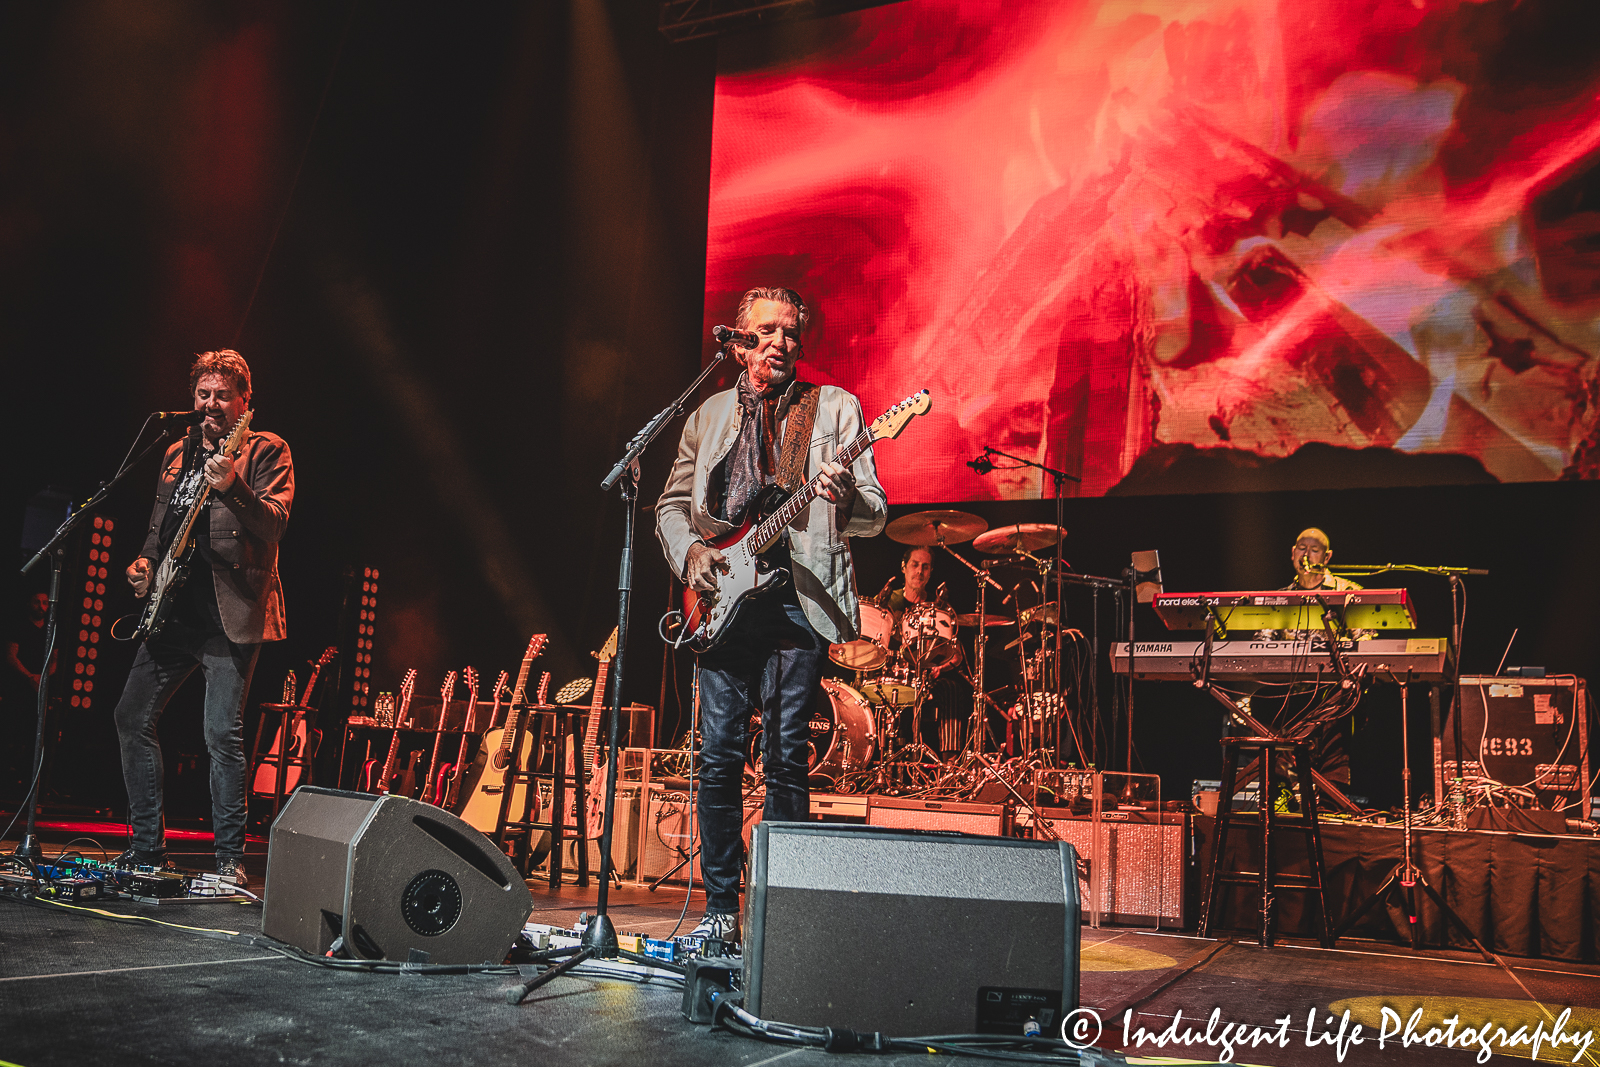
(483, 236)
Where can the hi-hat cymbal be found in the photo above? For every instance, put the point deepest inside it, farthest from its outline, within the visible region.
(1042, 613)
(924, 528)
(984, 620)
(1019, 537)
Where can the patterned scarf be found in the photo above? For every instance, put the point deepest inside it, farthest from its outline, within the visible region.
(750, 460)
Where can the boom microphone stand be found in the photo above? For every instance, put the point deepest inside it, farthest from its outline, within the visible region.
(55, 548)
(600, 936)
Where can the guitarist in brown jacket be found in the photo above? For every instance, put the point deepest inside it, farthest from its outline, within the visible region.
(230, 603)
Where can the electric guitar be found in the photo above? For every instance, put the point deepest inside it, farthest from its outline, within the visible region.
(708, 616)
(173, 570)
(266, 778)
(482, 809)
(594, 806)
(448, 781)
(407, 687)
(446, 691)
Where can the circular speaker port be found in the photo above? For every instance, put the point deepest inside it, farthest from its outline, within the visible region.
(431, 904)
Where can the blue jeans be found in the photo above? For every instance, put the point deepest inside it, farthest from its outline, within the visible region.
(772, 663)
(159, 668)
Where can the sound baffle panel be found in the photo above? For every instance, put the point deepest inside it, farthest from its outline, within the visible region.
(393, 876)
(1141, 863)
(1527, 732)
(910, 932)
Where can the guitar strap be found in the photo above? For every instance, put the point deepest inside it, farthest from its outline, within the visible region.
(797, 436)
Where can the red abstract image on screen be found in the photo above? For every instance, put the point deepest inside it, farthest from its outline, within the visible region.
(1155, 244)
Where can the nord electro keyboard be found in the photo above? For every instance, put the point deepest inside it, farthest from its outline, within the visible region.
(1288, 609)
(1284, 661)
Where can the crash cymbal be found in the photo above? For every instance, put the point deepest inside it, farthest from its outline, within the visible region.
(984, 620)
(1042, 613)
(924, 528)
(1019, 537)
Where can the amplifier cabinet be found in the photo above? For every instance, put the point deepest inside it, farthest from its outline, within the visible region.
(670, 831)
(1531, 733)
(624, 838)
(1141, 863)
(988, 819)
(910, 932)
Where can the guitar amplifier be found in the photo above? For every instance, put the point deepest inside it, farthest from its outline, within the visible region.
(670, 832)
(624, 839)
(1531, 733)
(986, 819)
(1141, 861)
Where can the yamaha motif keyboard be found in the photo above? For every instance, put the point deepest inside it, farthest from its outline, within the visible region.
(1284, 661)
(1288, 609)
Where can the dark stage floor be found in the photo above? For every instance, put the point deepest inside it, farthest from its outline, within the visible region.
(75, 988)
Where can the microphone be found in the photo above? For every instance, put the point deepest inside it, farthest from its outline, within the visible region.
(181, 418)
(981, 464)
(743, 338)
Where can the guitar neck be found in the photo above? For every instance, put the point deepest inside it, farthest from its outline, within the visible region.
(790, 510)
(596, 706)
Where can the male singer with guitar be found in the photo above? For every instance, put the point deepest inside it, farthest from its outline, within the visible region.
(230, 604)
(769, 429)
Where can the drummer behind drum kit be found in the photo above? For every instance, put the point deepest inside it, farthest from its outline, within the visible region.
(859, 747)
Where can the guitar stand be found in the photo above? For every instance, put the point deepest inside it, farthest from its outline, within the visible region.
(303, 759)
(508, 831)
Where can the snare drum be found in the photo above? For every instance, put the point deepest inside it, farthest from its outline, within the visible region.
(869, 652)
(843, 736)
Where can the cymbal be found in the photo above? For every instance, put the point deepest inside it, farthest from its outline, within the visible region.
(925, 528)
(1042, 613)
(984, 620)
(1019, 537)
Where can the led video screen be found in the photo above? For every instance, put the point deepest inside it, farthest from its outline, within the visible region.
(1155, 244)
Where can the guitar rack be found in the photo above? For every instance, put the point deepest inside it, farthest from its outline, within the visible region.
(556, 725)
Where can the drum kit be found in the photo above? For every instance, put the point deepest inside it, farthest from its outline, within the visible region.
(864, 737)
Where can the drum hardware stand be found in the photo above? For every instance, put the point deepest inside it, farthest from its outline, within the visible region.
(55, 548)
(600, 936)
(1407, 873)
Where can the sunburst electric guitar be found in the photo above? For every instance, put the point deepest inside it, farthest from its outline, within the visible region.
(482, 810)
(447, 782)
(708, 616)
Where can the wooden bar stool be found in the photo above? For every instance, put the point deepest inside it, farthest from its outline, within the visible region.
(1267, 879)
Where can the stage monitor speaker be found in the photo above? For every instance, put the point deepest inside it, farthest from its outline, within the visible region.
(910, 932)
(393, 876)
(1531, 733)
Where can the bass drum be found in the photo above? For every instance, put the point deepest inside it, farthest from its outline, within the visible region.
(843, 734)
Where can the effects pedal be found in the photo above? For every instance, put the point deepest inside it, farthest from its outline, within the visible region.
(71, 889)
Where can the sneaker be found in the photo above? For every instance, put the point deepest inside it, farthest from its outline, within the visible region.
(230, 869)
(138, 857)
(721, 925)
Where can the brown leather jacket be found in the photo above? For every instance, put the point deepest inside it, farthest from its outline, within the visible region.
(247, 522)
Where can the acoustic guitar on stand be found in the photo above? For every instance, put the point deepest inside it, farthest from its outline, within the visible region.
(291, 720)
(482, 809)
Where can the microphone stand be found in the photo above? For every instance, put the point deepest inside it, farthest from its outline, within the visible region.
(55, 548)
(1061, 476)
(600, 936)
